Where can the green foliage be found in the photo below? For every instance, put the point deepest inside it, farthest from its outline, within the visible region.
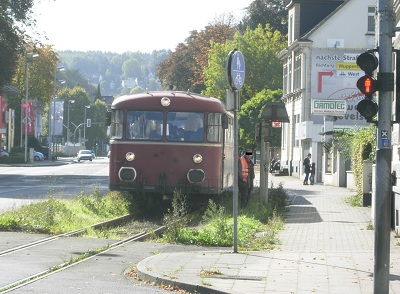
(250, 114)
(12, 13)
(278, 198)
(358, 145)
(176, 218)
(217, 229)
(56, 216)
(260, 48)
(272, 12)
(263, 79)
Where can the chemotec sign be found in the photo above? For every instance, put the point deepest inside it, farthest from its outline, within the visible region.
(329, 107)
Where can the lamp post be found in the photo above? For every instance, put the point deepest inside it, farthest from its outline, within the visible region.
(27, 118)
(59, 68)
(69, 102)
(84, 126)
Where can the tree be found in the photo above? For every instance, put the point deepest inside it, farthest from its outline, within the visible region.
(184, 68)
(263, 76)
(41, 79)
(263, 68)
(98, 93)
(98, 130)
(77, 109)
(262, 12)
(175, 70)
(14, 15)
(250, 114)
(132, 68)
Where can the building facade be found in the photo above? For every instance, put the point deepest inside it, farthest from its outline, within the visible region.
(319, 81)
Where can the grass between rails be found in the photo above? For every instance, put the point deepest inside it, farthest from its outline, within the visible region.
(258, 224)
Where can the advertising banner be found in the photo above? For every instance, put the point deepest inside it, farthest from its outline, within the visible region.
(56, 116)
(336, 73)
(28, 121)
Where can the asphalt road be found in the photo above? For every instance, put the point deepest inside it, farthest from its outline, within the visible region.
(22, 184)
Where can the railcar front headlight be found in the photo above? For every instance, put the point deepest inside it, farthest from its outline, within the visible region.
(165, 101)
(197, 158)
(130, 156)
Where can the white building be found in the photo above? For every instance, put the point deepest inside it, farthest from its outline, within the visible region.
(319, 80)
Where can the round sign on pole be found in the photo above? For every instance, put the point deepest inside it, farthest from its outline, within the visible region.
(235, 69)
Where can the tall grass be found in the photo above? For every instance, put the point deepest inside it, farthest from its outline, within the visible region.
(55, 215)
(258, 224)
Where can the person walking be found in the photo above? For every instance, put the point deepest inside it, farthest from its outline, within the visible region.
(307, 167)
(246, 176)
(312, 173)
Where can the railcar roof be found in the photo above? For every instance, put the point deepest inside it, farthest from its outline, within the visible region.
(179, 101)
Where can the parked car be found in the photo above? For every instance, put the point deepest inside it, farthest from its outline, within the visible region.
(4, 154)
(84, 155)
(38, 156)
(45, 151)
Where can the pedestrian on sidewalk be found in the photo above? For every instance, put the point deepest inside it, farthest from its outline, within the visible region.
(312, 173)
(246, 176)
(307, 167)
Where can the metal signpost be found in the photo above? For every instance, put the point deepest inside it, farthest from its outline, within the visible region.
(235, 69)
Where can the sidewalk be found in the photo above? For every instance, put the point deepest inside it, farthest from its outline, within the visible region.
(326, 247)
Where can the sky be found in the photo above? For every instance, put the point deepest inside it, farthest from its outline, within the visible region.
(127, 25)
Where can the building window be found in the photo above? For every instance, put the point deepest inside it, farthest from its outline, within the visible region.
(297, 73)
(371, 19)
(285, 79)
(289, 75)
(290, 29)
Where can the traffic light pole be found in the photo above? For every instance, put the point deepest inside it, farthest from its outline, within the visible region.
(384, 35)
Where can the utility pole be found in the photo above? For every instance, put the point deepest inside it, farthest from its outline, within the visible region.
(384, 35)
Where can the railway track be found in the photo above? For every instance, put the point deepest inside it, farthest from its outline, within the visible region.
(59, 253)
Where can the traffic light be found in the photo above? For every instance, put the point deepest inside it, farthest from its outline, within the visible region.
(367, 85)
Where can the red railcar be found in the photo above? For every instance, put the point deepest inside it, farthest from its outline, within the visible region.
(162, 141)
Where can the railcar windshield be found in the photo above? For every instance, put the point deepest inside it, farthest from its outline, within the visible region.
(177, 126)
(185, 126)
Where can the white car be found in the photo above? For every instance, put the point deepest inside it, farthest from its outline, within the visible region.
(84, 155)
(38, 156)
(4, 154)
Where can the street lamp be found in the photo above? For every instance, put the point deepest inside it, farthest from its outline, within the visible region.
(29, 56)
(84, 126)
(69, 102)
(51, 136)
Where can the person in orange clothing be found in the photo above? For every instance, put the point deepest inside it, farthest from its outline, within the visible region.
(246, 176)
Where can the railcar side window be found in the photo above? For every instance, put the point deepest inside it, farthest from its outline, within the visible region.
(185, 126)
(116, 124)
(144, 125)
(214, 131)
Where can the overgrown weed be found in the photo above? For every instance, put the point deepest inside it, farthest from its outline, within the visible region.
(176, 218)
(258, 224)
(55, 216)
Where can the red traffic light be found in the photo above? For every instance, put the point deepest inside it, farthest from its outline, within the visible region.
(367, 85)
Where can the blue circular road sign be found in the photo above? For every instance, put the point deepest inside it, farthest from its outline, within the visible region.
(236, 70)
